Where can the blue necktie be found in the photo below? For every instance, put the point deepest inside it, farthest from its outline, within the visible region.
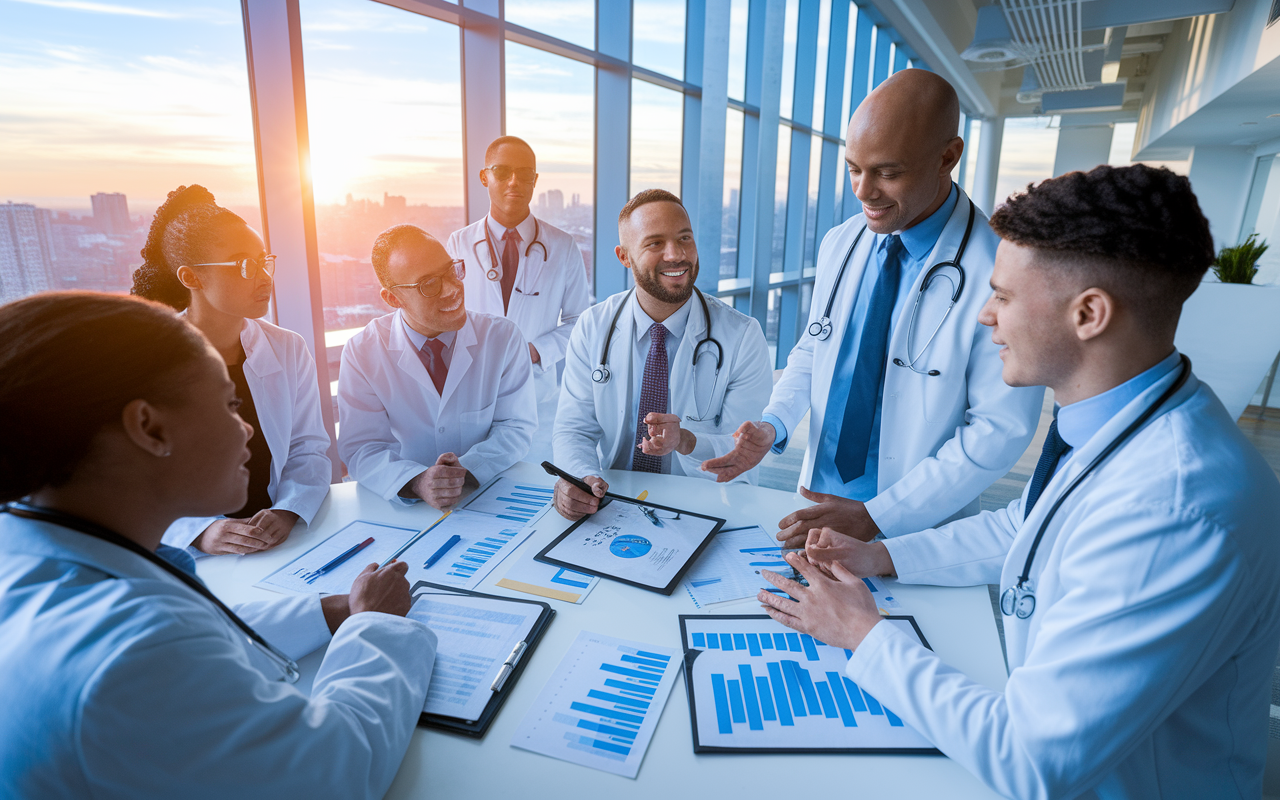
(1054, 447)
(868, 371)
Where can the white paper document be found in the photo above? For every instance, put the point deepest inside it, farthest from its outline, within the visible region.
(602, 704)
(483, 542)
(515, 501)
(622, 540)
(475, 636)
(547, 580)
(757, 684)
(729, 569)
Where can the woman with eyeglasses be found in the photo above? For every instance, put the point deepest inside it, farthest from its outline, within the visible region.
(207, 262)
(121, 674)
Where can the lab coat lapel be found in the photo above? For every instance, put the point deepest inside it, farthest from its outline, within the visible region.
(490, 300)
(616, 394)
(409, 362)
(463, 343)
(263, 371)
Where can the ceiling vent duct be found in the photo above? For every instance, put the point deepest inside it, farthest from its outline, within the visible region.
(993, 44)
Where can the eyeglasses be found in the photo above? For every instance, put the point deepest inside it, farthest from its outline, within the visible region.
(248, 266)
(502, 173)
(432, 285)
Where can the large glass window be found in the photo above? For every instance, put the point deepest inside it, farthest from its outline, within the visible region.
(1026, 154)
(791, 23)
(571, 20)
(657, 127)
(120, 102)
(551, 105)
(384, 107)
(657, 40)
(820, 64)
(739, 12)
(733, 126)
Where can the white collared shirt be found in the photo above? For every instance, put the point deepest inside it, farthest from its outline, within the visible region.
(497, 231)
(675, 325)
(419, 339)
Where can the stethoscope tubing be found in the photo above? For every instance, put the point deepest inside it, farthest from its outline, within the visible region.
(1021, 588)
(494, 273)
(63, 520)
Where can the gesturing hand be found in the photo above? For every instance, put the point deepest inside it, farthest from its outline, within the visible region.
(825, 548)
(440, 486)
(836, 609)
(573, 503)
(752, 441)
(385, 590)
(846, 516)
(665, 435)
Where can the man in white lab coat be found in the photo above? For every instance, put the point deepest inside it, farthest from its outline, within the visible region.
(525, 269)
(1138, 570)
(432, 397)
(657, 377)
(908, 419)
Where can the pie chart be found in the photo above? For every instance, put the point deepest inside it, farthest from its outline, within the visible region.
(630, 546)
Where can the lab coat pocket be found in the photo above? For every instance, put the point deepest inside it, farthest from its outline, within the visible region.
(475, 424)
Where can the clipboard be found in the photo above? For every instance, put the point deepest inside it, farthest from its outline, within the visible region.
(652, 508)
(690, 656)
(476, 729)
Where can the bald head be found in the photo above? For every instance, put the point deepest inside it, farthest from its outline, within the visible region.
(901, 148)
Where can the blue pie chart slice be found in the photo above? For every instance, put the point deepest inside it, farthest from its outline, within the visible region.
(630, 546)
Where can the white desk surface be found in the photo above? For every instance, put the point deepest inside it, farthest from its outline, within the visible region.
(957, 623)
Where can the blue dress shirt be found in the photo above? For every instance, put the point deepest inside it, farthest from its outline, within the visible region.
(919, 241)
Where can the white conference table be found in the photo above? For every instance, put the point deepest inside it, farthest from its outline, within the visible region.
(956, 621)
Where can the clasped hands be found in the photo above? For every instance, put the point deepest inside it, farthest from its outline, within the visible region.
(440, 486)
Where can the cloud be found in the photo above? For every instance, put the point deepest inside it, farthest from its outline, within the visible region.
(100, 8)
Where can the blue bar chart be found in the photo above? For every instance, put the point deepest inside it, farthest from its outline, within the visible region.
(479, 553)
(757, 685)
(602, 704)
(512, 501)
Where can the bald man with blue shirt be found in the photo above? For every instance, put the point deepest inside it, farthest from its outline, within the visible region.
(909, 420)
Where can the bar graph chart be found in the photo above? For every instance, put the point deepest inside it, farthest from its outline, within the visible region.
(756, 685)
(513, 501)
(484, 541)
(479, 553)
(602, 704)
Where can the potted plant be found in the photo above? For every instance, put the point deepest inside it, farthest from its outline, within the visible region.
(1230, 327)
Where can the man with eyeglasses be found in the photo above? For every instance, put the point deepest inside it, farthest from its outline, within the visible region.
(524, 269)
(432, 398)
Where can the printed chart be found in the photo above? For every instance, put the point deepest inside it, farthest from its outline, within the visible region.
(531, 576)
(602, 704)
(474, 636)
(303, 575)
(514, 501)
(729, 569)
(756, 685)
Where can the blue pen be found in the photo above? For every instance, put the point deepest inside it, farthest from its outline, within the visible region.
(339, 560)
(444, 548)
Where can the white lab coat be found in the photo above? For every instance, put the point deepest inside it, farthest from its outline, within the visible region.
(282, 379)
(393, 424)
(945, 438)
(120, 682)
(591, 425)
(1145, 670)
(549, 294)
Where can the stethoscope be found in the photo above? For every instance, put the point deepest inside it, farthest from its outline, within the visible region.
(1020, 600)
(821, 329)
(602, 374)
(494, 272)
(288, 666)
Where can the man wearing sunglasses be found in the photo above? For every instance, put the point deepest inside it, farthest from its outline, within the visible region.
(524, 269)
(433, 397)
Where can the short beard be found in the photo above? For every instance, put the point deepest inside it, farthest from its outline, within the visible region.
(653, 286)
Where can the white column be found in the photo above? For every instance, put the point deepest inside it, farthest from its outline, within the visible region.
(483, 100)
(1220, 176)
(988, 166)
(1082, 147)
(715, 104)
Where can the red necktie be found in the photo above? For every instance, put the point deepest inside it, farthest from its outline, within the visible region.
(432, 357)
(510, 263)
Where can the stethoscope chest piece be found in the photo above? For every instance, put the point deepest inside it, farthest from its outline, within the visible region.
(1018, 601)
(821, 329)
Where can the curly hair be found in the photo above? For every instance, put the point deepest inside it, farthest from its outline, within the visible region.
(180, 231)
(387, 243)
(1136, 232)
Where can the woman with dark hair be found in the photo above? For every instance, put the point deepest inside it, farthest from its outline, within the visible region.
(121, 675)
(203, 260)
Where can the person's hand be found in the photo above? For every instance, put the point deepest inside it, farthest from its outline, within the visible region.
(276, 523)
(234, 536)
(533, 354)
(849, 517)
(836, 609)
(573, 503)
(384, 590)
(665, 435)
(826, 547)
(441, 486)
(752, 441)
